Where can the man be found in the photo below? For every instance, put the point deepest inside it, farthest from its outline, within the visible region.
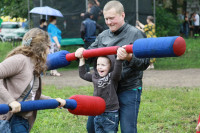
(130, 85)
(43, 24)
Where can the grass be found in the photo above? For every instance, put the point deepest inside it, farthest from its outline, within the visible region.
(169, 110)
(189, 60)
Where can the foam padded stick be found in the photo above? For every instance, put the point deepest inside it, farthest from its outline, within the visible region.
(77, 104)
(92, 105)
(57, 60)
(159, 47)
(142, 48)
(94, 52)
(198, 123)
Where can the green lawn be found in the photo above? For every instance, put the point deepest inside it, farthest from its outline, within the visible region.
(169, 110)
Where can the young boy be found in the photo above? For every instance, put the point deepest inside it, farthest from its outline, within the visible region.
(107, 73)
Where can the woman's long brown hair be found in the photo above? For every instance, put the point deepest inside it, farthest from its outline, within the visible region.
(37, 50)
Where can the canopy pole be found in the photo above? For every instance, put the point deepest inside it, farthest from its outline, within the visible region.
(86, 5)
(137, 14)
(41, 4)
(29, 26)
(154, 11)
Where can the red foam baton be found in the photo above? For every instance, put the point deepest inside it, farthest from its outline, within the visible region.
(88, 105)
(94, 53)
(198, 123)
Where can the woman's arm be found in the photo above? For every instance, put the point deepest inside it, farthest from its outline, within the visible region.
(56, 41)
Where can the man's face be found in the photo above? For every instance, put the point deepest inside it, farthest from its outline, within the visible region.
(113, 19)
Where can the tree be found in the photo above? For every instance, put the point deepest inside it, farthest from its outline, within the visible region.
(15, 8)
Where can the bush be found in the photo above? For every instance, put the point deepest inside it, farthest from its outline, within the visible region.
(167, 24)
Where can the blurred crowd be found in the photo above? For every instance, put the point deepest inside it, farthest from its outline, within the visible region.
(190, 24)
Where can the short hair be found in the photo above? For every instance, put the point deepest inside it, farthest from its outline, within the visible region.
(114, 4)
(150, 18)
(87, 15)
(52, 18)
(42, 21)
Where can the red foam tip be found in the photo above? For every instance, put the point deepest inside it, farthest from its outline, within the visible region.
(88, 105)
(198, 123)
(179, 46)
(70, 57)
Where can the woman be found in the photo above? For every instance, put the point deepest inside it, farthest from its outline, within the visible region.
(20, 79)
(55, 36)
(149, 30)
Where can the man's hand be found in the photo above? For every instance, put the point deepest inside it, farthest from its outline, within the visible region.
(123, 55)
(79, 53)
(15, 106)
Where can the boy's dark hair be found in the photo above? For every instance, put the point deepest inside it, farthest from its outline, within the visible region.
(52, 18)
(42, 21)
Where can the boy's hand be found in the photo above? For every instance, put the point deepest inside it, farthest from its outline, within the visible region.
(61, 101)
(79, 53)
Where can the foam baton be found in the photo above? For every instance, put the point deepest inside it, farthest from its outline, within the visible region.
(77, 104)
(142, 48)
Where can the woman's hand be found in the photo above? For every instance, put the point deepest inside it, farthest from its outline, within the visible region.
(58, 46)
(61, 101)
(15, 106)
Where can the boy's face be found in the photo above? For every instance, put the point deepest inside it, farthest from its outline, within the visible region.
(103, 66)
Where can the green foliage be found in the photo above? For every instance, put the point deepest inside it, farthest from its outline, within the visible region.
(15, 8)
(166, 23)
(162, 110)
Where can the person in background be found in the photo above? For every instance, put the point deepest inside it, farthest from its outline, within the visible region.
(130, 86)
(149, 30)
(20, 79)
(186, 25)
(43, 24)
(88, 32)
(55, 36)
(196, 24)
(93, 9)
(191, 22)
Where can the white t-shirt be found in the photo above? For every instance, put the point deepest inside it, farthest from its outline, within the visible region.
(196, 23)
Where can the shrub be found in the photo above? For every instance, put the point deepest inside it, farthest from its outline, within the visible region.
(167, 24)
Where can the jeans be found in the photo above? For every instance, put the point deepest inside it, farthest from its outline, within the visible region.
(19, 125)
(90, 124)
(129, 102)
(106, 122)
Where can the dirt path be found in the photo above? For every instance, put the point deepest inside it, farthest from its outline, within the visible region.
(151, 78)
